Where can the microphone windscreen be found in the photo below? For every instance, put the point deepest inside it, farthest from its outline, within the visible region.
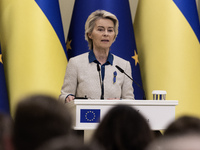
(120, 69)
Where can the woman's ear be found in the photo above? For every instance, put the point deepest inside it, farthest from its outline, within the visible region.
(90, 35)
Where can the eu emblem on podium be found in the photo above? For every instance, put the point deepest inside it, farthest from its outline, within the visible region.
(90, 115)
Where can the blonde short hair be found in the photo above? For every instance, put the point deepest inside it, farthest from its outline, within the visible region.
(90, 23)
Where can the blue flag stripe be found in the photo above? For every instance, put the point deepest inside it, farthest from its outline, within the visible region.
(189, 10)
(4, 103)
(52, 11)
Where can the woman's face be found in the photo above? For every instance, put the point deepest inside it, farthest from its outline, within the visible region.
(103, 34)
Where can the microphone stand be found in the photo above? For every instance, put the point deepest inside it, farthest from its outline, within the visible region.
(122, 71)
(101, 82)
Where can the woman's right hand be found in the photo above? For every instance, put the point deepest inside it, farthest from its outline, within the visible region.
(69, 98)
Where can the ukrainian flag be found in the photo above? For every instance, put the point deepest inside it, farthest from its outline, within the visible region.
(168, 39)
(34, 47)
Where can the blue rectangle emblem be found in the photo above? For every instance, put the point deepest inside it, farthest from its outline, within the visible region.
(90, 115)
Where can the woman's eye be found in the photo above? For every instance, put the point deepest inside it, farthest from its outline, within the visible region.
(100, 29)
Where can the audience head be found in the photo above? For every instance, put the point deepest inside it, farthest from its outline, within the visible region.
(189, 141)
(70, 142)
(184, 125)
(123, 127)
(37, 119)
(181, 134)
(6, 126)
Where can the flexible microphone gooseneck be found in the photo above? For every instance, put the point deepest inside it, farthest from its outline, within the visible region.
(101, 82)
(122, 71)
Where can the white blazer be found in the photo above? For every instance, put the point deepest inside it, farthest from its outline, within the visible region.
(82, 79)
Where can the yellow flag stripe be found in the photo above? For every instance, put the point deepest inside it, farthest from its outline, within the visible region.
(34, 57)
(169, 54)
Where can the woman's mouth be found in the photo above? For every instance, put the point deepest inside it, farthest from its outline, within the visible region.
(104, 40)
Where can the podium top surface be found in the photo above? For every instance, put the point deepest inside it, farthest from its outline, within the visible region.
(128, 102)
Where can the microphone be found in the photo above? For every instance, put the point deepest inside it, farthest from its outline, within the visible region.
(98, 68)
(101, 83)
(122, 71)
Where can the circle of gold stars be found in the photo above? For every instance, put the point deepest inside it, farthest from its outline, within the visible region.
(135, 57)
(90, 119)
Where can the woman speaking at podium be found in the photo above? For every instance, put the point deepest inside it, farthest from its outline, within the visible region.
(93, 74)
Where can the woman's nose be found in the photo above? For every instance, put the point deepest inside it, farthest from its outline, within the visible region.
(105, 33)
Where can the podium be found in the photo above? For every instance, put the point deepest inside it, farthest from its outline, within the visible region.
(88, 113)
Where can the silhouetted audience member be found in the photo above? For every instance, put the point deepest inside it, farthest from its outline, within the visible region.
(183, 125)
(38, 119)
(6, 130)
(123, 128)
(181, 134)
(157, 133)
(188, 141)
(66, 143)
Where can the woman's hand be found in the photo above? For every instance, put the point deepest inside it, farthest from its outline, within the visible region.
(69, 98)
